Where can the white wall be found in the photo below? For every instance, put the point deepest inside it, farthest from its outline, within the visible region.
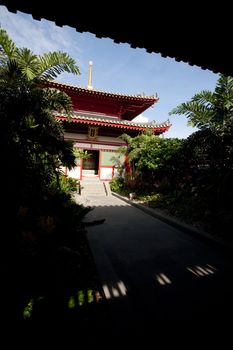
(83, 137)
(105, 173)
(75, 172)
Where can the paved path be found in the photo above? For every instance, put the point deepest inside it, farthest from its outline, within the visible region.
(151, 271)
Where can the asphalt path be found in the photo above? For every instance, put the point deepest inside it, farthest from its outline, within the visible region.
(151, 271)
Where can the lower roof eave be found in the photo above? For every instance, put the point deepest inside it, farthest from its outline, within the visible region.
(156, 129)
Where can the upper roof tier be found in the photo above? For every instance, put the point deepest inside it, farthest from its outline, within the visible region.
(118, 105)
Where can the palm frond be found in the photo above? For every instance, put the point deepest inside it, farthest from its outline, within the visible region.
(12, 74)
(189, 109)
(7, 46)
(67, 155)
(54, 63)
(198, 111)
(29, 63)
(224, 86)
(204, 97)
(58, 101)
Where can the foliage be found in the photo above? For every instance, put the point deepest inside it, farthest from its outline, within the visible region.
(32, 147)
(213, 110)
(32, 68)
(81, 154)
(43, 224)
(149, 157)
(191, 179)
(150, 152)
(212, 146)
(117, 185)
(68, 184)
(206, 158)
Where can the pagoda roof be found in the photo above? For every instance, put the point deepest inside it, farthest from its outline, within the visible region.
(123, 106)
(100, 93)
(111, 122)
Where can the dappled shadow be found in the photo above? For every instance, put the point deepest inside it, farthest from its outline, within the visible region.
(152, 271)
(49, 281)
(115, 290)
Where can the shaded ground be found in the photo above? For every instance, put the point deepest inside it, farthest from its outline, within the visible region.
(49, 281)
(152, 272)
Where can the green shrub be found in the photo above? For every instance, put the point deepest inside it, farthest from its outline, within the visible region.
(68, 184)
(117, 185)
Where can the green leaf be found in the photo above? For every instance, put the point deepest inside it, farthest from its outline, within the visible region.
(71, 303)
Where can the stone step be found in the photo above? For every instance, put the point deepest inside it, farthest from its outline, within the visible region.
(90, 179)
(92, 183)
(93, 190)
(93, 194)
(93, 186)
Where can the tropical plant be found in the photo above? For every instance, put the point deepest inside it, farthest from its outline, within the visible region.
(213, 110)
(39, 216)
(149, 157)
(207, 155)
(33, 68)
(32, 146)
(81, 154)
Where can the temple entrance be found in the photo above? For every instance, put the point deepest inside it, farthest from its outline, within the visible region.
(91, 164)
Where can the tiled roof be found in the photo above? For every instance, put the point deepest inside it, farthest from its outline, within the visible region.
(138, 97)
(114, 122)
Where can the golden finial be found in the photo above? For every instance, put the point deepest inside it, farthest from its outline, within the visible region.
(89, 86)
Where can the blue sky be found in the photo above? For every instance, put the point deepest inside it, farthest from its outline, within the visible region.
(116, 67)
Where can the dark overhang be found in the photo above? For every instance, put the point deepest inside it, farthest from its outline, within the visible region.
(188, 33)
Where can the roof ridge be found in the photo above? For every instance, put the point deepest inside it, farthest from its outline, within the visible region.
(139, 96)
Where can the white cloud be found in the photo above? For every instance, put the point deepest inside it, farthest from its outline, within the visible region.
(40, 36)
(140, 119)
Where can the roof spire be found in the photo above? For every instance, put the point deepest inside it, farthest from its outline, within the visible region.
(89, 86)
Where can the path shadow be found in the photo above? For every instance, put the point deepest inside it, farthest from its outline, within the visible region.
(163, 273)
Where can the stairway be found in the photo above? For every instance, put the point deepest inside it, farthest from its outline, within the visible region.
(92, 186)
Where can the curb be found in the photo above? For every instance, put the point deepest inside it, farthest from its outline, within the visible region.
(186, 228)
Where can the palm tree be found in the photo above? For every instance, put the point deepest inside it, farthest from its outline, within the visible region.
(208, 153)
(211, 110)
(34, 68)
(32, 145)
(38, 216)
(212, 113)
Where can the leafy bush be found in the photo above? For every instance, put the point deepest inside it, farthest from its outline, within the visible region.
(68, 184)
(117, 185)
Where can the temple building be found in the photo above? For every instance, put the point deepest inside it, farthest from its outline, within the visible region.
(98, 119)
